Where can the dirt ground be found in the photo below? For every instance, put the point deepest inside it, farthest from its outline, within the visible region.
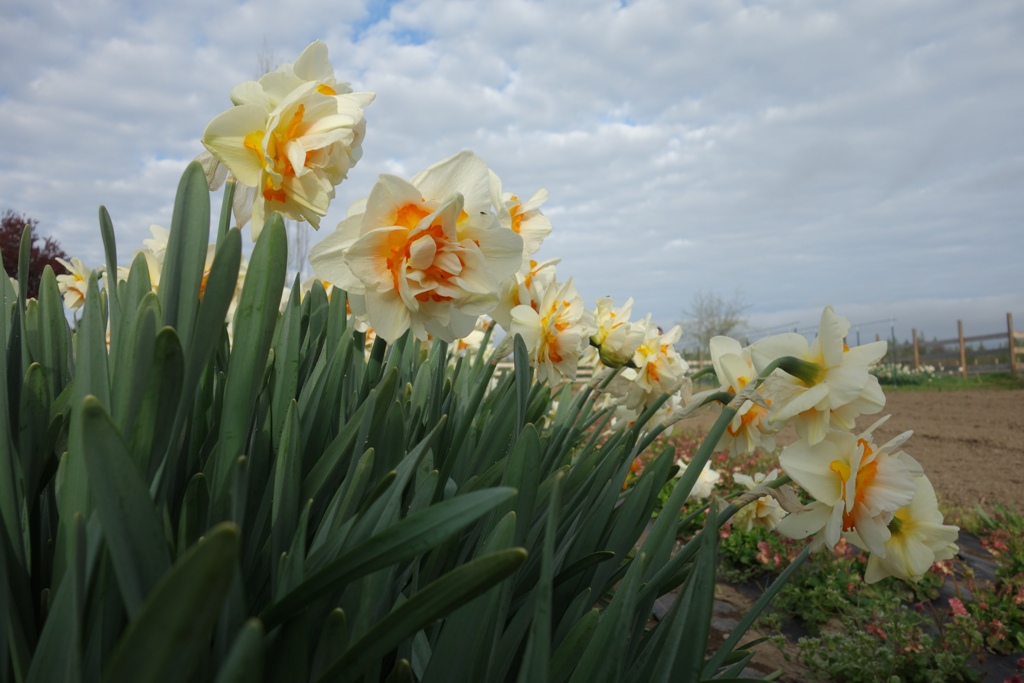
(969, 443)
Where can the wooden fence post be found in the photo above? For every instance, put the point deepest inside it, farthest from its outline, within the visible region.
(963, 348)
(917, 356)
(1012, 338)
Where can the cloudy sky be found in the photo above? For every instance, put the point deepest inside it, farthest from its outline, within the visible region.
(868, 155)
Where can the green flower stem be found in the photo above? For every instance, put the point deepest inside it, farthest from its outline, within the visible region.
(710, 370)
(720, 396)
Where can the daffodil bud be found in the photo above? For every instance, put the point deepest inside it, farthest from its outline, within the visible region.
(611, 357)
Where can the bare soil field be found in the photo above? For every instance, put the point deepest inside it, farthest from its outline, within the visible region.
(970, 443)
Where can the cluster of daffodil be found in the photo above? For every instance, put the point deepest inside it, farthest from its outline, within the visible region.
(435, 253)
(876, 496)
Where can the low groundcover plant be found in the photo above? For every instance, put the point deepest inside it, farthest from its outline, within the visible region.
(206, 479)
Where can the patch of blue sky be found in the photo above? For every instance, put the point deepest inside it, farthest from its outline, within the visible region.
(617, 116)
(376, 12)
(410, 36)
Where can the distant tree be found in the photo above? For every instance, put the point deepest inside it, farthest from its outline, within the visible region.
(710, 315)
(45, 251)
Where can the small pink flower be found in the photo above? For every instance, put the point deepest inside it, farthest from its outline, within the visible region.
(876, 630)
(956, 606)
(996, 630)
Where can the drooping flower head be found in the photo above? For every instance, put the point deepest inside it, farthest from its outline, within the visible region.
(293, 136)
(426, 254)
(857, 487)
(918, 538)
(840, 389)
(763, 513)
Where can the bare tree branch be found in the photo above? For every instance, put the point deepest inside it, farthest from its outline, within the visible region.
(710, 315)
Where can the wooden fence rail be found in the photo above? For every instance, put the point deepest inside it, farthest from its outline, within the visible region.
(1012, 338)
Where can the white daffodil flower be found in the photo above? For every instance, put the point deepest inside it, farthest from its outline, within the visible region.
(426, 255)
(74, 283)
(841, 389)
(659, 369)
(918, 539)
(749, 428)
(616, 338)
(705, 484)
(857, 486)
(293, 136)
(555, 335)
(763, 513)
(523, 218)
(158, 242)
(526, 288)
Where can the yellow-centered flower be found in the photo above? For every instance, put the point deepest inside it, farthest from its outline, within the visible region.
(426, 255)
(842, 389)
(74, 283)
(292, 136)
(857, 486)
